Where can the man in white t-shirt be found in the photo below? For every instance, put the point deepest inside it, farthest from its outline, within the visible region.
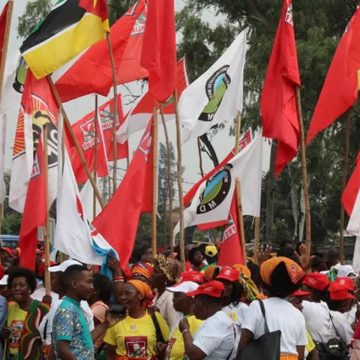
(215, 338)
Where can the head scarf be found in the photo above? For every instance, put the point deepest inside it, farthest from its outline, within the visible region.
(143, 289)
(169, 267)
(294, 270)
(142, 268)
(242, 269)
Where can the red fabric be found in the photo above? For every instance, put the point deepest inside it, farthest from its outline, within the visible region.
(278, 99)
(84, 130)
(346, 281)
(192, 275)
(316, 281)
(119, 220)
(96, 7)
(92, 73)
(212, 288)
(340, 89)
(231, 250)
(159, 48)
(352, 188)
(228, 273)
(339, 292)
(35, 212)
(3, 28)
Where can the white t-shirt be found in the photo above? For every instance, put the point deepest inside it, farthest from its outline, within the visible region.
(280, 315)
(166, 308)
(236, 313)
(317, 319)
(45, 327)
(342, 327)
(216, 337)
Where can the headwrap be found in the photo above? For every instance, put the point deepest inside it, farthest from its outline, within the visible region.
(143, 289)
(169, 267)
(242, 269)
(143, 269)
(209, 273)
(294, 270)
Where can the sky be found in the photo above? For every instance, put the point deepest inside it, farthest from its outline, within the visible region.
(78, 108)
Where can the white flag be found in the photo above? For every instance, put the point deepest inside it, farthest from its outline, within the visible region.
(354, 222)
(73, 233)
(217, 95)
(213, 198)
(87, 199)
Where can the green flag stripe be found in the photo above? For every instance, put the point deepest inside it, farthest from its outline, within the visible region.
(59, 18)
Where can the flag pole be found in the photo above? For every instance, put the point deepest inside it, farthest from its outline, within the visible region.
(155, 182)
(179, 180)
(76, 143)
(113, 70)
(343, 183)
(238, 188)
(46, 228)
(257, 239)
(169, 179)
(95, 151)
(2, 74)
(304, 174)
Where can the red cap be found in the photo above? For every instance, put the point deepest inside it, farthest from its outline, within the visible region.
(212, 288)
(316, 281)
(192, 275)
(300, 293)
(228, 273)
(339, 292)
(347, 282)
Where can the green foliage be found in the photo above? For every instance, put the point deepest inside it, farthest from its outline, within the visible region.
(35, 11)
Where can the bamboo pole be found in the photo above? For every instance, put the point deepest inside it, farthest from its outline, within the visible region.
(113, 70)
(179, 179)
(2, 76)
(46, 229)
(343, 184)
(96, 135)
(76, 143)
(257, 240)
(169, 179)
(155, 182)
(238, 188)
(304, 174)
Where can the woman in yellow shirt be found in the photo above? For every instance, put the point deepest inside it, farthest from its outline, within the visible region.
(135, 336)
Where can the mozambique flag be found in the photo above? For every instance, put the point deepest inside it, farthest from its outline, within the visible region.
(70, 28)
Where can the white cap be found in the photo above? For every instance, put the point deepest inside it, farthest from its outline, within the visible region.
(64, 265)
(184, 287)
(4, 280)
(345, 271)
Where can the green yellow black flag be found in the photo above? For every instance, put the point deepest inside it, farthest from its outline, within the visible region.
(70, 28)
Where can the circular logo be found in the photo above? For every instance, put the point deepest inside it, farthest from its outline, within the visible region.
(216, 87)
(216, 190)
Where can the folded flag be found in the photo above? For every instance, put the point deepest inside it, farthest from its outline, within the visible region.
(217, 95)
(70, 28)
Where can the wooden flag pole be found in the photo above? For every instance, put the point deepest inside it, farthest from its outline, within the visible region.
(179, 179)
(343, 184)
(76, 143)
(238, 188)
(257, 240)
(2, 74)
(96, 136)
(46, 228)
(304, 174)
(155, 182)
(113, 70)
(169, 179)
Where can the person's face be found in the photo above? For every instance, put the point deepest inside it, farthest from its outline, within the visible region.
(84, 285)
(129, 296)
(56, 284)
(228, 287)
(158, 279)
(296, 301)
(20, 289)
(147, 256)
(200, 307)
(198, 258)
(5, 292)
(182, 303)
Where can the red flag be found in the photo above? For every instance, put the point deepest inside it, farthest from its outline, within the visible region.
(76, 81)
(119, 220)
(159, 48)
(35, 211)
(278, 99)
(340, 89)
(352, 189)
(3, 17)
(84, 130)
(231, 250)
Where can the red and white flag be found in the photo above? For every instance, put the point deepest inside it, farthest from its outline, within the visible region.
(119, 220)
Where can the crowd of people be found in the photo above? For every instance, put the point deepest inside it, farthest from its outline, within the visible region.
(155, 309)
